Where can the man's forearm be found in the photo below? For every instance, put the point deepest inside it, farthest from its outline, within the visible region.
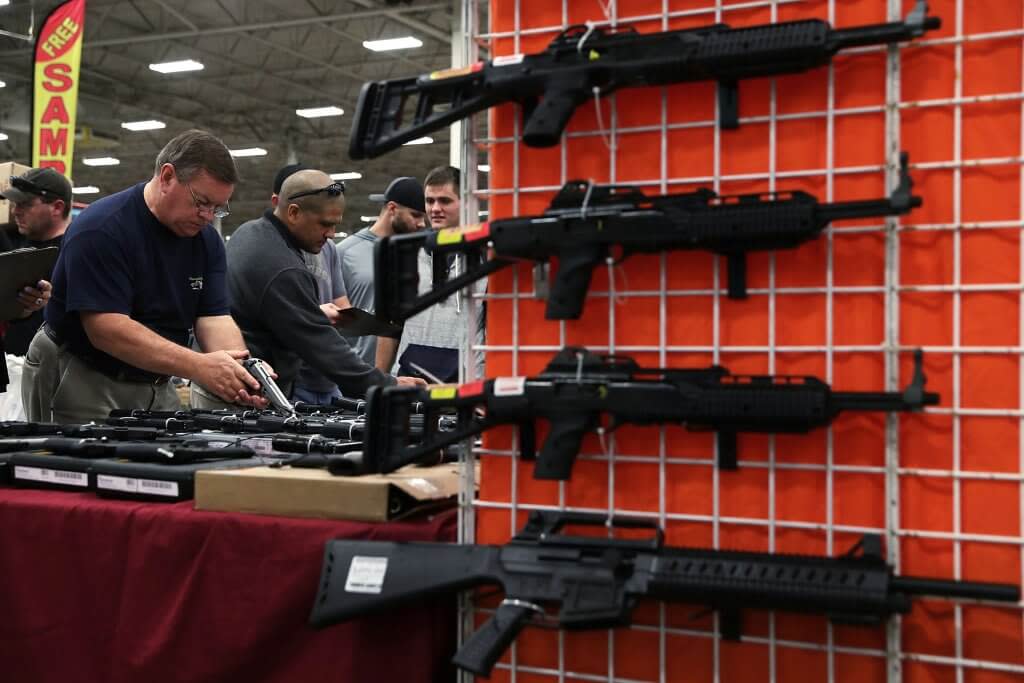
(218, 333)
(387, 349)
(137, 345)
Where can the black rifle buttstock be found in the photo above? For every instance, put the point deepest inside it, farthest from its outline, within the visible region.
(359, 578)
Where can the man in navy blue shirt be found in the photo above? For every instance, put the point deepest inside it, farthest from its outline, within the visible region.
(137, 271)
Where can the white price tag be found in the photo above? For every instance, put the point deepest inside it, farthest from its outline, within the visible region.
(506, 60)
(366, 574)
(109, 483)
(509, 386)
(158, 488)
(48, 476)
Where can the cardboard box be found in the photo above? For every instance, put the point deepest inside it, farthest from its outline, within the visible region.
(7, 170)
(306, 492)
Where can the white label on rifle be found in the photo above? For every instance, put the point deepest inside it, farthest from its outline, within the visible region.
(48, 476)
(109, 483)
(158, 488)
(506, 60)
(509, 386)
(366, 574)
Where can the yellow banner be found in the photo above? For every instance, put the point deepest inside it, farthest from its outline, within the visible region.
(58, 58)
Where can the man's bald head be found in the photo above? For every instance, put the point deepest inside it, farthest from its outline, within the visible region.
(308, 180)
(313, 218)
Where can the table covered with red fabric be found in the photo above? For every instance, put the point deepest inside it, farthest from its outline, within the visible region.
(123, 592)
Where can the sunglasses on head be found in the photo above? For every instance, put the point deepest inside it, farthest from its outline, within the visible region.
(26, 185)
(334, 189)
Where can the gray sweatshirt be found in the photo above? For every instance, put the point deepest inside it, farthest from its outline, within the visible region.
(274, 301)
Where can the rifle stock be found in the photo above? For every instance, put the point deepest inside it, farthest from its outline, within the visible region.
(361, 577)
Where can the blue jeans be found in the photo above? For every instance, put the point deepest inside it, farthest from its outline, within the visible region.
(320, 398)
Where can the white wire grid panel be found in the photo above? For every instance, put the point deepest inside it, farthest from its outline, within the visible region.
(938, 641)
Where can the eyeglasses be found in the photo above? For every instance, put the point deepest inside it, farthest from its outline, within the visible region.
(333, 190)
(217, 210)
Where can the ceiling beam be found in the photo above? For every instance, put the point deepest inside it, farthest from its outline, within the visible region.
(391, 12)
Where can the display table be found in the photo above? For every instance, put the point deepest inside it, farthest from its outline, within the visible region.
(122, 592)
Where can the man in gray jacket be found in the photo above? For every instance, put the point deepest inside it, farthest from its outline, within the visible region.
(274, 295)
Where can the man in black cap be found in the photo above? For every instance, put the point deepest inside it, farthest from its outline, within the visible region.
(41, 209)
(403, 211)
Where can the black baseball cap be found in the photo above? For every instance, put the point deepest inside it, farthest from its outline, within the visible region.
(283, 174)
(405, 191)
(38, 182)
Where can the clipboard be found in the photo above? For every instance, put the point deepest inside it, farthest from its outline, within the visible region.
(355, 322)
(21, 268)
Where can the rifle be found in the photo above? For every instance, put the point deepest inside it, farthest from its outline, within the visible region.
(583, 63)
(585, 222)
(165, 452)
(595, 582)
(577, 387)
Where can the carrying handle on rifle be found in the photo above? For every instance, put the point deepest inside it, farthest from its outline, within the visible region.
(575, 268)
(483, 649)
(561, 447)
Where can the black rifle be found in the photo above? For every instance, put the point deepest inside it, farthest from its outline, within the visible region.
(582, 63)
(15, 428)
(577, 387)
(167, 452)
(586, 222)
(595, 582)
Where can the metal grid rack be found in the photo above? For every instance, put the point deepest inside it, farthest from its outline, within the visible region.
(936, 642)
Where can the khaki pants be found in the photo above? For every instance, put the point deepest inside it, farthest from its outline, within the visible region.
(59, 387)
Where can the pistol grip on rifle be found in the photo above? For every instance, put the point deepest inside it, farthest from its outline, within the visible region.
(483, 649)
(544, 125)
(575, 268)
(561, 447)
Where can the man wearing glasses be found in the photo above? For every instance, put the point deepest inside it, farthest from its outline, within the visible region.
(274, 295)
(136, 272)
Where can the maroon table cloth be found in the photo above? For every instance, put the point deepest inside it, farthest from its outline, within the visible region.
(123, 592)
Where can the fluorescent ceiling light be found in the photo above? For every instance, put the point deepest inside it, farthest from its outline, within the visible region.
(2, 84)
(403, 43)
(368, 219)
(427, 140)
(101, 161)
(85, 189)
(4, 3)
(484, 168)
(248, 152)
(347, 175)
(3, 136)
(176, 67)
(315, 112)
(148, 124)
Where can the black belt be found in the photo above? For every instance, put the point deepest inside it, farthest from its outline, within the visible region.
(124, 373)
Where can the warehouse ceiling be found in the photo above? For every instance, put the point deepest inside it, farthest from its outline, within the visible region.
(263, 59)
